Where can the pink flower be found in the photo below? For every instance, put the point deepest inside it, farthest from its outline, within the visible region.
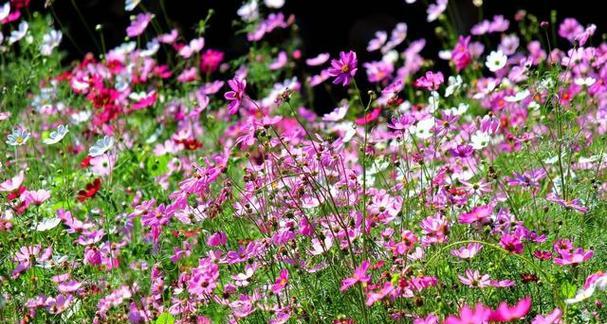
(138, 24)
(574, 257)
(28, 255)
(461, 55)
(360, 275)
(236, 95)
(478, 315)
(281, 281)
(431, 81)
(344, 68)
(210, 60)
(12, 184)
(468, 251)
(279, 62)
(479, 215)
(318, 59)
(474, 279)
(217, 239)
(570, 28)
(430, 319)
(553, 317)
(36, 197)
(505, 313)
(512, 243)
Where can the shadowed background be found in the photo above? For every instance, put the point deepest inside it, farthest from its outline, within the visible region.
(324, 25)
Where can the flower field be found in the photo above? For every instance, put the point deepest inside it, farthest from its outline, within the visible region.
(165, 181)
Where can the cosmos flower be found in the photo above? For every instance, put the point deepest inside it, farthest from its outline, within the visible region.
(236, 95)
(57, 135)
(138, 24)
(101, 146)
(496, 60)
(17, 137)
(50, 40)
(344, 68)
(360, 275)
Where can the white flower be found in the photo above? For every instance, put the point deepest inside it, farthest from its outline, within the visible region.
(336, 115)
(151, 48)
(588, 81)
(50, 40)
(129, 5)
(455, 83)
(346, 131)
(80, 117)
(103, 145)
(274, 3)
(480, 140)
(433, 101)
(18, 34)
(249, 11)
(459, 110)
(5, 10)
(518, 96)
(47, 224)
(423, 129)
(581, 295)
(496, 61)
(17, 137)
(56, 135)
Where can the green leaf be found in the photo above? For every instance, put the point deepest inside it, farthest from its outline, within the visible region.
(157, 165)
(165, 318)
(567, 290)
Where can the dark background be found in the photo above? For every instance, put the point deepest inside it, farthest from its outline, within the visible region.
(324, 25)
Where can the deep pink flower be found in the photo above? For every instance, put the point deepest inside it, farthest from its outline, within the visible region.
(360, 275)
(461, 55)
(512, 243)
(210, 60)
(236, 95)
(217, 239)
(505, 313)
(431, 81)
(478, 315)
(281, 281)
(478, 215)
(344, 68)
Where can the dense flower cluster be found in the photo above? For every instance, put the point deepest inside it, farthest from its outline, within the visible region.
(136, 189)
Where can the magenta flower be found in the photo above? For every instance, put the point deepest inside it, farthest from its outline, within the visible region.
(505, 313)
(431, 81)
(461, 55)
(480, 314)
(281, 281)
(481, 215)
(236, 95)
(575, 257)
(343, 69)
(512, 243)
(139, 24)
(217, 239)
(360, 275)
(553, 317)
(210, 60)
